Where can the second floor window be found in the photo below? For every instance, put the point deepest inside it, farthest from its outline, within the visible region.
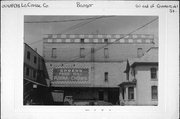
(106, 52)
(153, 73)
(106, 76)
(154, 92)
(82, 52)
(53, 53)
(35, 59)
(28, 55)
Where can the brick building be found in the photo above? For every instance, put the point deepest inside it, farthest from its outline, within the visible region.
(36, 82)
(90, 67)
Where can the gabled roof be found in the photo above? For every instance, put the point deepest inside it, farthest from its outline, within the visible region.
(150, 56)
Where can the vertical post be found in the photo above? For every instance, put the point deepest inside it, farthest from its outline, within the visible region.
(121, 94)
(53, 74)
(126, 95)
(92, 64)
(134, 93)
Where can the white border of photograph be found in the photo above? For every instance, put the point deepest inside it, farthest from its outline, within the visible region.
(12, 63)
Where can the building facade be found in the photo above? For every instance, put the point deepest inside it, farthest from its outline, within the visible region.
(141, 84)
(35, 83)
(90, 67)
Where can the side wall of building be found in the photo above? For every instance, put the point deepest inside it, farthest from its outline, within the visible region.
(96, 73)
(71, 51)
(144, 84)
(35, 77)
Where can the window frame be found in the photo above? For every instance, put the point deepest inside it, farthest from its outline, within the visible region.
(28, 55)
(154, 92)
(82, 52)
(106, 40)
(35, 59)
(130, 97)
(54, 53)
(106, 52)
(106, 75)
(82, 40)
(153, 73)
(27, 71)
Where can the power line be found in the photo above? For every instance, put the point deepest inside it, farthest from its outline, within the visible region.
(75, 26)
(133, 31)
(81, 24)
(68, 29)
(35, 82)
(84, 23)
(59, 21)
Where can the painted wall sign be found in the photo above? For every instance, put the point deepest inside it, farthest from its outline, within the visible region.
(70, 74)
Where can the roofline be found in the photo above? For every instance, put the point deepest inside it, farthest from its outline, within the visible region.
(143, 63)
(152, 48)
(96, 34)
(81, 86)
(127, 83)
(57, 61)
(33, 50)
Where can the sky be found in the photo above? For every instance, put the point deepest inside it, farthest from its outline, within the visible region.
(34, 28)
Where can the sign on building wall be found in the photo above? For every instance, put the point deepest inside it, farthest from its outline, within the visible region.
(70, 74)
(58, 95)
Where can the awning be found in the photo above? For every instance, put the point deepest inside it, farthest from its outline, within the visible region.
(127, 83)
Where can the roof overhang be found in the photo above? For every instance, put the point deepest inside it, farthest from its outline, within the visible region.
(144, 64)
(123, 84)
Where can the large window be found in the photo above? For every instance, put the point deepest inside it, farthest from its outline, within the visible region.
(153, 73)
(154, 92)
(105, 76)
(130, 93)
(106, 52)
(54, 52)
(82, 52)
(28, 55)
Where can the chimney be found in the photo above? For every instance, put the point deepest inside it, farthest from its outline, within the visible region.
(35, 49)
(139, 52)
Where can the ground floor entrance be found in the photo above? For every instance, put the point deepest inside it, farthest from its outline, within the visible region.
(110, 95)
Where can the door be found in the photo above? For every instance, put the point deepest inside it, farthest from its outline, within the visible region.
(101, 95)
(113, 96)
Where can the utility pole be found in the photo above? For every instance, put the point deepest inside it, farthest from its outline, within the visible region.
(92, 63)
